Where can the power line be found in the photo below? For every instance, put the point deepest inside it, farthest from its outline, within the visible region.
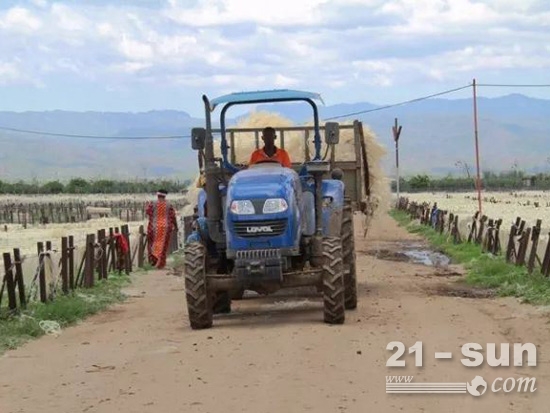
(510, 85)
(445, 92)
(66, 135)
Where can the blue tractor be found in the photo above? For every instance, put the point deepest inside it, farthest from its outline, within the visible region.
(265, 227)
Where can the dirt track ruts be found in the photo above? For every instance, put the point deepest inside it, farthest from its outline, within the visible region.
(274, 354)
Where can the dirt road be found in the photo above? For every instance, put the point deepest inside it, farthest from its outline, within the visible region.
(275, 354)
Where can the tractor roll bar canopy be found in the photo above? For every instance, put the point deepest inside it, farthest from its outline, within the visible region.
(261, 96)
(264, 96)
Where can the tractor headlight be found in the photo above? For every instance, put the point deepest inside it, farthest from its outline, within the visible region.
(274, 205)
(242, 207)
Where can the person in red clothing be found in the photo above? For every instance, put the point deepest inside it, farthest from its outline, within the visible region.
(270, 151)
(162, 222)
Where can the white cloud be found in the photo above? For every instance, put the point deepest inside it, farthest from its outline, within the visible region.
(106, 30)
(135, 50)
(68, 19)
(14, 73)
(272, 13)
(283, 81)
(130, 67)
(9, 73)
(40, 3)
(19, 19)
(346, 45)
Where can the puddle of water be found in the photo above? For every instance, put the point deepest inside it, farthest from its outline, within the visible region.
(427, 257)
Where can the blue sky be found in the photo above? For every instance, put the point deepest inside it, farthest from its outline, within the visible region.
(144, 55)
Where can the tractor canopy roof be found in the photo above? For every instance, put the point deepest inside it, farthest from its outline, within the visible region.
(261, 96)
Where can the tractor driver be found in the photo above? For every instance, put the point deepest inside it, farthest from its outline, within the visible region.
(270, 151)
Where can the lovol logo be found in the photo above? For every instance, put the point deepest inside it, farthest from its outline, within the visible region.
(256, 230)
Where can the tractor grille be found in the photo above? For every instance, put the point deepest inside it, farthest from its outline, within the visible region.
(252, 229)
(258, 254)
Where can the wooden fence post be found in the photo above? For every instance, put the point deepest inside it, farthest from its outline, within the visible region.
(545, 270)
(64, 265)
(90, 258)
(456, 233)
(496, 244)
(535, 234)
(487, 244)
(104, 255)
(42, 273)
(524, 242)
(19, 280)
(128, 259)
(10, 284)
(100, 264)
(141, 249)
(71, 262)
(473, 231)
(511, 248)
(112, 258)
(479, 238)
(439, 221)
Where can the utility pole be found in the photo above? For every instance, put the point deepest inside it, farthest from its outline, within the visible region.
(478, 178)
(396, 129)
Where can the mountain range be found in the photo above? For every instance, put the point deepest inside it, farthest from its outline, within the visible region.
(513, 130)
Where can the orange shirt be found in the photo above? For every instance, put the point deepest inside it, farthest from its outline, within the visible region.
(280, 156)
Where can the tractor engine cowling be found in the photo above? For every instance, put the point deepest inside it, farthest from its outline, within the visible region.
(263, 211)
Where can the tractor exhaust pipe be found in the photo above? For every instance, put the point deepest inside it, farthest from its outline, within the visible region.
(211, 172)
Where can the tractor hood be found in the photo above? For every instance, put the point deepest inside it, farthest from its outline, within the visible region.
(264, 181)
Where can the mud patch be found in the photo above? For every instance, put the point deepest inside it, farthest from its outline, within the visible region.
(462, 291)
(427, 257)
(413, 255)
(388, 255)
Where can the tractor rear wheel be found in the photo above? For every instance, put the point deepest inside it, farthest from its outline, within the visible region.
(333, 281)
(348, 244)
(196, 291)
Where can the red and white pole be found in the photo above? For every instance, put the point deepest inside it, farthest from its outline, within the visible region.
(478, 177)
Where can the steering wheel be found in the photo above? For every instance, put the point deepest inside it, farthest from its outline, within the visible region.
(268, 161)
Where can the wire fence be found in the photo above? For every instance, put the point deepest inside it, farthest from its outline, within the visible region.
(520, 245)
(57, 272)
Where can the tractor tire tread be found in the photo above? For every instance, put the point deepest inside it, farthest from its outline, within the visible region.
(196, 290)
(349, 256)
(333, 281)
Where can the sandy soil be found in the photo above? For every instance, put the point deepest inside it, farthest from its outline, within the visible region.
(275, 355)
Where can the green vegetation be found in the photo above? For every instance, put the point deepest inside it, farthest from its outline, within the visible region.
(491, 181)
(83, 186)
(485, 270)
(65, 310)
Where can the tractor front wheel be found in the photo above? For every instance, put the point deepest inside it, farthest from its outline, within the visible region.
(333, 281)
(199, 308)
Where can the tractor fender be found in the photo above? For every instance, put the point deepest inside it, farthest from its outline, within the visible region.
(333, 207)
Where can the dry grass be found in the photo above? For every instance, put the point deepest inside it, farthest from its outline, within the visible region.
(294, 143)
